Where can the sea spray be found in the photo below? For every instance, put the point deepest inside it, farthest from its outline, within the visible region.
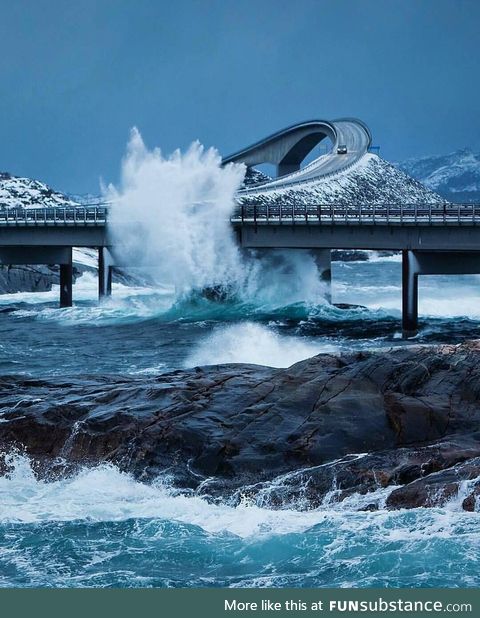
(172, 215)
(101, 527)
(253, 343)
(279, 278)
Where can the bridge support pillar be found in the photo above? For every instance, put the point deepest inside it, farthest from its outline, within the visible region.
(415, 263)
(105, 262)
(66, 282)
(323, 260)
(287, 168)
(409, 294)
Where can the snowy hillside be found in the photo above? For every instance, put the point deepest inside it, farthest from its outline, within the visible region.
(456, 176)
(371, 181)
(17, 192)
(254, 177)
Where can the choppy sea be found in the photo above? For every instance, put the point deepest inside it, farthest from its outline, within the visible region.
(102, 528)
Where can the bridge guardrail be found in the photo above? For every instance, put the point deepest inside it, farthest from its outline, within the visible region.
(70, 215)
(384, 214)
(271, 214)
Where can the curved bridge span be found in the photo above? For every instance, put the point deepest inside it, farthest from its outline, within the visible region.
(286, 149)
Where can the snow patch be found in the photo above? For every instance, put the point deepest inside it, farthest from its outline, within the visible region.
(369, 181)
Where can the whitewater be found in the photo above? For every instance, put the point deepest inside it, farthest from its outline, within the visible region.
(101, 527)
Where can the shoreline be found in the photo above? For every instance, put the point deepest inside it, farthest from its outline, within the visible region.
(226, 431)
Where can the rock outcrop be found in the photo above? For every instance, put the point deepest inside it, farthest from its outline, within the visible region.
(370, 181)
(406, 419)
(30, 278)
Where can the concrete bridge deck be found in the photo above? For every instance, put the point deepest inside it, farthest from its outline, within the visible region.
(450, 227)
(48, 235)
(433, 239)
(79, 226)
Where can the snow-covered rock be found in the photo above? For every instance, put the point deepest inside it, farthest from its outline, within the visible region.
(456, 176)
(254, 177)
(371, 180)
(18, 192)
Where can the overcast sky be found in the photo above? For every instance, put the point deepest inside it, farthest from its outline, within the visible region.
(76, 76)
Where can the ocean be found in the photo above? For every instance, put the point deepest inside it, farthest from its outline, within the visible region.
(102, 528)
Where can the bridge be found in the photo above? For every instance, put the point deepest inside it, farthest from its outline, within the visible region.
(350, 139)
(48, 235)
(433, 239)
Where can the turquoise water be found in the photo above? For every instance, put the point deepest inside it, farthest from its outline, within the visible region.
(101, 527)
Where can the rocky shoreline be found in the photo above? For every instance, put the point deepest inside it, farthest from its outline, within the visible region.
(407, 419)
(40, 278)
(14, 279)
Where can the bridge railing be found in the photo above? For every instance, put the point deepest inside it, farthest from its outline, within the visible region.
(330, 214)
(69, 215)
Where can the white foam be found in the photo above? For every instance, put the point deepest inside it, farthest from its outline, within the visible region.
(106, 494)
(172, 215)
(278, 278)
(375, 257)
(253, 343)
(127, 302)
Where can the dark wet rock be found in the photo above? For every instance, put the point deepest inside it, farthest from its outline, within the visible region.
(411, 414)
(472, 501)
(350, 255)
(369, 507)
(40, 278)
(218, 293)
(439, 487)
(348, 306)
(365, 473)
(30, 278)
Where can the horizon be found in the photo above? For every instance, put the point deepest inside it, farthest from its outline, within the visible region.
(72, 76)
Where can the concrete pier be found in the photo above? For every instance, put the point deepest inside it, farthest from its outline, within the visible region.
(409, 294)
(105, 262)
(323, 260)
(66, 285)
(415, 263)
(32, 254)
